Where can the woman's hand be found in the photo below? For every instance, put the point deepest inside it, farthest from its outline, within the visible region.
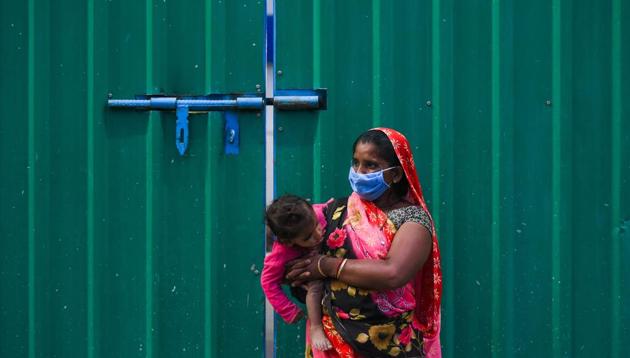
(409, 251)
(302, 270)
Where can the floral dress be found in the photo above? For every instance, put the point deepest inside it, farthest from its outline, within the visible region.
(353, 315)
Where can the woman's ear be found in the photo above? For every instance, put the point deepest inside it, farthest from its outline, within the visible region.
(397, 175)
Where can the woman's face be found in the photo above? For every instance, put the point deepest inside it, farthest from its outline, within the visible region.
(366, 159)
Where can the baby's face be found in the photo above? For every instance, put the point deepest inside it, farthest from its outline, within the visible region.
(309, 238)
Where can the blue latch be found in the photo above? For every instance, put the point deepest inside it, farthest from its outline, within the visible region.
(231, 133)
(229, 103)
(181, 131)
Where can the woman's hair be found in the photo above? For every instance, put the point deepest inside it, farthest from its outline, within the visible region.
(386, 152)
(288, 216)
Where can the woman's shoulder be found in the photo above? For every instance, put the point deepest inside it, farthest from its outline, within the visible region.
(411, 213)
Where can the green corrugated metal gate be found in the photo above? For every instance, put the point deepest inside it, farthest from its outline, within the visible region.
(112, 245)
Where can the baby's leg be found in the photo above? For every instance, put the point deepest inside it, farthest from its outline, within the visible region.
(314, 308)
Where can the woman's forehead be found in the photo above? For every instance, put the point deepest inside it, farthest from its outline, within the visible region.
(367, 151)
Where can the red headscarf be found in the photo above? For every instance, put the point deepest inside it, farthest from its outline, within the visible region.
(428, 281)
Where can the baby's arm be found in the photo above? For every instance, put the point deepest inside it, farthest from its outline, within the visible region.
(271, 279)
(314, 308)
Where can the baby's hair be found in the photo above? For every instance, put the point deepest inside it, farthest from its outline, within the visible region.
(288, 216)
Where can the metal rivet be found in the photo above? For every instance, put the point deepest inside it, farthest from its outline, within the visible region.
(429, 103)
(257, 86)
(110, 95)
(254, 269)
(548, 102)
(279, 72)
(280, 129)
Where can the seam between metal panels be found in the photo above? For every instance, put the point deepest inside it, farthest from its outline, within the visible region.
(376, 63)
(317, 145)
(496, 178)
(90, 178)
(616, 180)
(441, 81)
(31, 179)
(149, 188)
(437, 109)
(208, 190)
(556, 41)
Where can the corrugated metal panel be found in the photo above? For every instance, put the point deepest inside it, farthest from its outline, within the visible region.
(113, 245)
(519, 124)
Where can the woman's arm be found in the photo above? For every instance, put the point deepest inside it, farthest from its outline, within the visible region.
(410, 249)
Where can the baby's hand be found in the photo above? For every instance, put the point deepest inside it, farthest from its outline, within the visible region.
(297, 317)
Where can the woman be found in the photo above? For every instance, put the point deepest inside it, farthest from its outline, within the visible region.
(381, 266)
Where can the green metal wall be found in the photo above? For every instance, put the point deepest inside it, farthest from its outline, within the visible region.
(111, 245)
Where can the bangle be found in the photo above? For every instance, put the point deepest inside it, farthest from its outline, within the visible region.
(343, 264)
(337, 268)
(319, 266)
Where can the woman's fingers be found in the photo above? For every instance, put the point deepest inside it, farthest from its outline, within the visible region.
(298, 272)
(296, 269)
(289, 264)
(300, 279)
(304, 275)
(298, 283)
(303, 270)
(297, 263)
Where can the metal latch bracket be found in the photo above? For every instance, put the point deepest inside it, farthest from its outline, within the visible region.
(290, 100)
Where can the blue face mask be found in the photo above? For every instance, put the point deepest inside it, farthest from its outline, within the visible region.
(369, 186)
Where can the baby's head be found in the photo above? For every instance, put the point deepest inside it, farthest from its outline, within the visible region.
(293, 221)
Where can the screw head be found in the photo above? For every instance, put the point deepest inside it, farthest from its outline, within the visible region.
(429, 103)
(110, 95)
(279, 72)
(280, 129)
(548, 102)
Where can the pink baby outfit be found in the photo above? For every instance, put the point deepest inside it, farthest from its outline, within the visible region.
(273, 272)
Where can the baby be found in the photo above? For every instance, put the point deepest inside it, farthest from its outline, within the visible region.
(299, 229)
